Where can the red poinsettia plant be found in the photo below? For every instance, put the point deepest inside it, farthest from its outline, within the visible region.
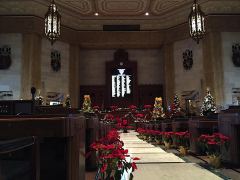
(132, 107)
(96, 108)
(124, 125)
(182, 138)
(212, 144)
(113, 160)
(113, 108)
(109, 118)
(139, 116)
(147, 106)
(167, 136)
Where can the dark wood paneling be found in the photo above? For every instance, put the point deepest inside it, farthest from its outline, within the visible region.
(147, 93)
(96, 92)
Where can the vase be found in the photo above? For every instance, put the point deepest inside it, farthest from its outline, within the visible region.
(167, 145)
(182, 151)
(214, 161)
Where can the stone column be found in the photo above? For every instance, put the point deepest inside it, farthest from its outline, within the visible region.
(213, 66)
(31, 64)
(169, 74)
(74, 75)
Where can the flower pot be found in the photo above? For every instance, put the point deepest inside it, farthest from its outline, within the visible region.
(150, 139)
(167, 145)
(140, 136)
(182, 151)
(214, 161)
(158, 141)
(145, 137)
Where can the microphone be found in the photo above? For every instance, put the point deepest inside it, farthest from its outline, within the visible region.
(33, 92)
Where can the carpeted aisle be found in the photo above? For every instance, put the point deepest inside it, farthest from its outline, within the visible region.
(157, 164)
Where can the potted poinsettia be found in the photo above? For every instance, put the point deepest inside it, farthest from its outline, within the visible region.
(112, 159)
(181, 139)
(108, 118)
(158, 137)
(124, 125)
(167, 139)
(142, 133)
(213, 144)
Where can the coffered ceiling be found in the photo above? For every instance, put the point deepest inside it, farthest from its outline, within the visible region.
(80, 14)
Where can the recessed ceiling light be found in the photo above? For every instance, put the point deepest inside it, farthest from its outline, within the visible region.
(96, 14)
(146, 14)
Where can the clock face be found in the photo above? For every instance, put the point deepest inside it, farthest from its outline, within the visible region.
(187, 60)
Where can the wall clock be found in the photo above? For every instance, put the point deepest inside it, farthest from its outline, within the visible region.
(236, 55)
(55, 60)
(187, 59)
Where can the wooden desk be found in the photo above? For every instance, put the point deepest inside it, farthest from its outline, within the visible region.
(167, 125)
(64, 134)
(229, 125)
(92, 135)
(180, 125)
(197, 126)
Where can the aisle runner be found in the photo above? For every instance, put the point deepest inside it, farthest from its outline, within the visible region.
(157, 164)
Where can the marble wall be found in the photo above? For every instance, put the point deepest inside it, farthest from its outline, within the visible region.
(92, 65)
(231, 72)
(10, 79)
(188, 80)
(54, 81)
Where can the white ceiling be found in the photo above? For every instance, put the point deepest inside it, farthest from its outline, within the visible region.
(79, 14)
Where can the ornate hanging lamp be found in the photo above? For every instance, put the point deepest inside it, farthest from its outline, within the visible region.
(196, 22)
(52, 23)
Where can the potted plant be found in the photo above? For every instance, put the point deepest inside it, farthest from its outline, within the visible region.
(213, 144)
(167, 139)
(182, 141)
(158, 137)
(112, 158)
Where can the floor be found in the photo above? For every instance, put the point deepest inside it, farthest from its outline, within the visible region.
(157, 164)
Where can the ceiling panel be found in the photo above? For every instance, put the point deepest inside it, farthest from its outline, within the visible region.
(122, 7)
(84, 7)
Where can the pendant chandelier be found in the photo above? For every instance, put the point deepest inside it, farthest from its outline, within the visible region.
(52, 23)
(196, 22)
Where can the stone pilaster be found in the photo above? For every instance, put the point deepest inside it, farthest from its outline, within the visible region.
(31, 64)
(169, 78)
(213, 65)
(74, 75)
